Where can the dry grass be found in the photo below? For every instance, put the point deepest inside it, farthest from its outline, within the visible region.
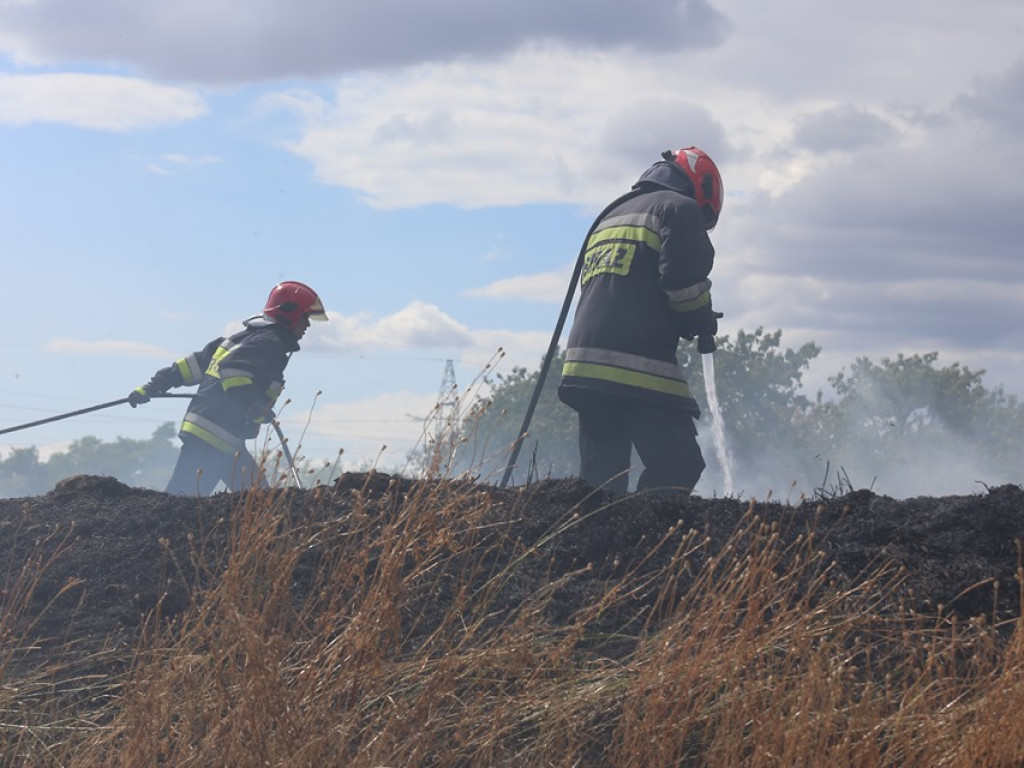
(49, 689)
(388, 639)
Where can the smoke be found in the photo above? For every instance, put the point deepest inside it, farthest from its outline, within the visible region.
(904, 427)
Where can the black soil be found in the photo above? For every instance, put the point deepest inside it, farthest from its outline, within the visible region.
(109, 553)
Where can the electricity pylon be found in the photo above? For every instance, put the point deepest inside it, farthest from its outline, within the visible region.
(446, 420)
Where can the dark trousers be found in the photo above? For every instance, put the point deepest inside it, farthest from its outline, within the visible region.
(201, 466)
(665, 440)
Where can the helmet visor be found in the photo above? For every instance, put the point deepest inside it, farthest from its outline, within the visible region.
(316, 312)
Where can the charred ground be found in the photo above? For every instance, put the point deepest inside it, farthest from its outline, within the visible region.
(105, 555)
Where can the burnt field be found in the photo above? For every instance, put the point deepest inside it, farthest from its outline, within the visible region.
(116, 549)
(543, 584)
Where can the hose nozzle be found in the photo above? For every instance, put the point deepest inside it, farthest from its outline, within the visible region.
(706, 344)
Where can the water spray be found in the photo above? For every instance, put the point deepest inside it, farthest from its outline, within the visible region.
(706, 347)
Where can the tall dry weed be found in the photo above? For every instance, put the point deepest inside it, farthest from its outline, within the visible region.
(51, 689)
(409, 626)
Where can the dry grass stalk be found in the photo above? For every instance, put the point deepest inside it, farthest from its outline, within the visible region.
(49, 695)
(381, 634)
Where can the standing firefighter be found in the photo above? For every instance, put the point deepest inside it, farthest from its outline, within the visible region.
(239, 378)
(643, 286)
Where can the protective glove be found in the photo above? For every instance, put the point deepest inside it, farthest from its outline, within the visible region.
(701, 322)
(138, 396)
(707, 330)
(708, 323)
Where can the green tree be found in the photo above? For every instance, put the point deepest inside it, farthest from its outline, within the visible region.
(758, 384)
(905, 426)
(918, 428)
(141, 463)
(21, 473)
(492, 423)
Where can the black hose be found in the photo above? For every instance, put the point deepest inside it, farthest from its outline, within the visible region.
(546, 364)
(79, 412)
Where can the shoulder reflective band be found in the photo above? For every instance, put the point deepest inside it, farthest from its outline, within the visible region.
(612, 247)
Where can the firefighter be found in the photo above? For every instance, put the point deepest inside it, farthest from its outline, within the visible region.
(643, 286)
(239, 378)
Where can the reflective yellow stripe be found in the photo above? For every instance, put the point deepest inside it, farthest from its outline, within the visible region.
(645, 220)
(213, 369)
(691, 297)
(230, 377)
(184, 370)
(631, 234)
(689, 292)
(188, 368)
(235, 381)
(612, 357)
(212, 433)
(628, 378)
(689, 306)
(208, 437)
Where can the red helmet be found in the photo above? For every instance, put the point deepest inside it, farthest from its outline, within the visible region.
(289, 302)
(707, 181)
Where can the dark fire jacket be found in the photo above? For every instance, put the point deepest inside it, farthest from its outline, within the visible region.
(643, 285)
(240, 378)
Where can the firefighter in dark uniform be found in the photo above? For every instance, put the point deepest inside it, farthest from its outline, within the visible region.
(239, 378)
(643, 286)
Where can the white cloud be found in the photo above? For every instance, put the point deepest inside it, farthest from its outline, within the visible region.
(420, 326)
(417, 325)
(546, 287)
(517, 348)
(100, 102)
(388, 425)
(501, 132)
(180, 162)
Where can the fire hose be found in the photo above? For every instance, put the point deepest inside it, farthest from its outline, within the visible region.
(555, 336)
(287, 453)
(80, 411)
(121, 401)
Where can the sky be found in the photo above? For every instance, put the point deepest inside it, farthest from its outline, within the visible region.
(430, 169)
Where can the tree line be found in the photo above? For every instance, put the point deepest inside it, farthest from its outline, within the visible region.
(141, 463)
(903, 426)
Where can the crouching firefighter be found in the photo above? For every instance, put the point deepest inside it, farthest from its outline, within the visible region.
(240, 378)
(643, 286)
